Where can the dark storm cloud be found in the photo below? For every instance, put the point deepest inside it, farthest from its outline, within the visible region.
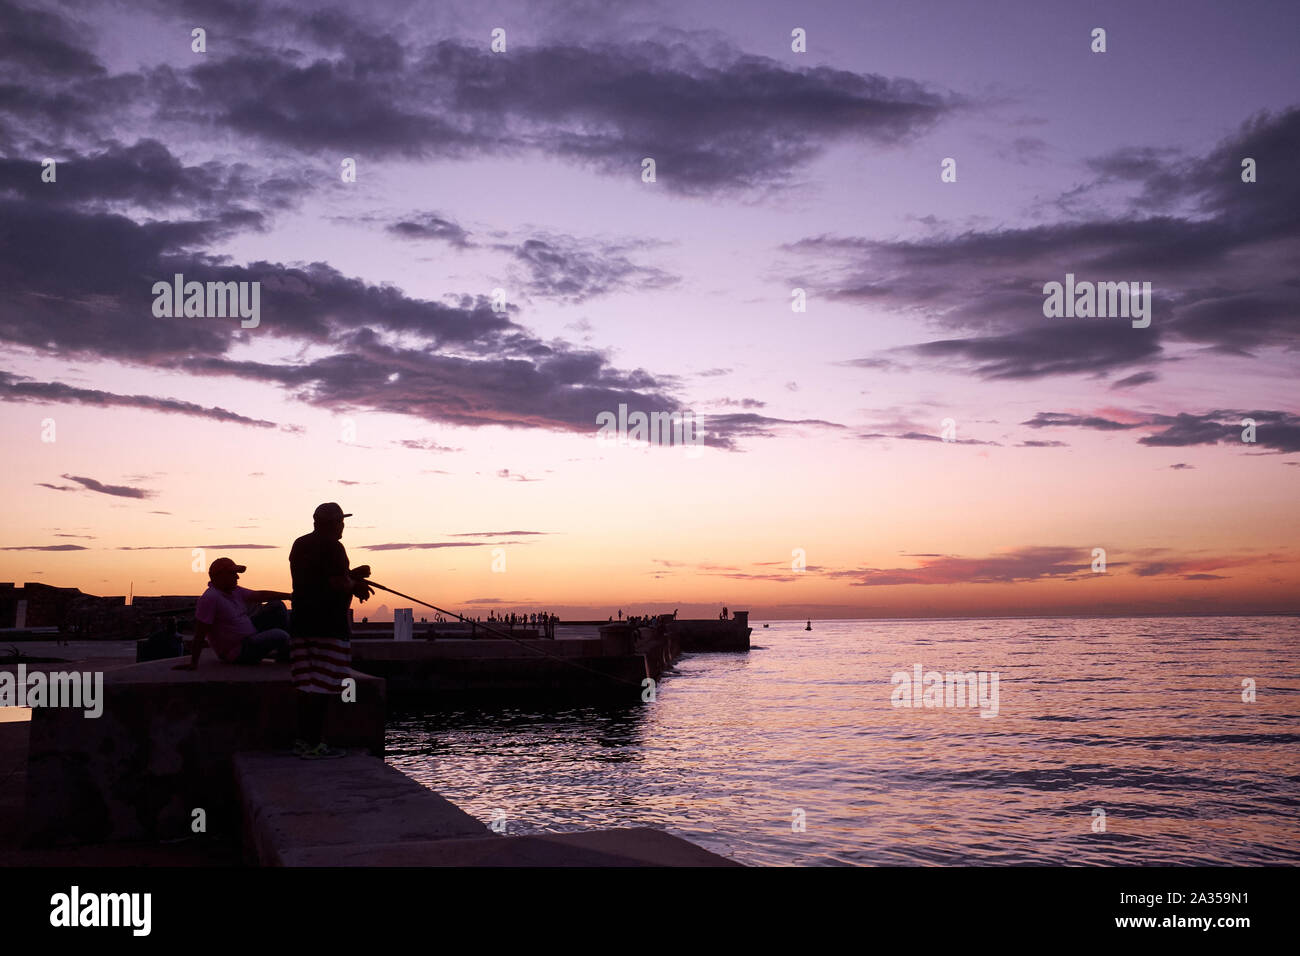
(120, 491)
(1242, 321)
(146, 174)
(923, 436)
(208, 547)
(721, 431)
(1276, 431)
(766, 577)
(497, 534)
(996, 265)
(1211, 185)
(14, 388)
(1136, 379)
(1219, 259)
(424, 546)
(1085, 346)
(1024, 564)
(559, 391)
(46, 547)
(713, 117)
(1198, 568)
(422, 444)
(37, 41)
(744, 121)
(432, 226)
(54, 91)
(76, 272)
(1061, 419)
(1150, 570)
(715, 121)
(565, 268)
(1183, 429)
(1143, 164)
(557, 266)
(80, 284)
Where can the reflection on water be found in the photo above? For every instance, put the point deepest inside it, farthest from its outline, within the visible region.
(1142, 718)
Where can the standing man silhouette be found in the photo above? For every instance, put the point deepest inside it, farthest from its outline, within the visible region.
(321, 650)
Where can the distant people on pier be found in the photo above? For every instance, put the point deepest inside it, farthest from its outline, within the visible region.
(517, 619)
(723, 615)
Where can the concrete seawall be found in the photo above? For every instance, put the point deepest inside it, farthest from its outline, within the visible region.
(357, 811)
(171, 742)
(163, 748)
(565, 667)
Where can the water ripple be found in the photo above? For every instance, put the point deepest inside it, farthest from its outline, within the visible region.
(1142, 719)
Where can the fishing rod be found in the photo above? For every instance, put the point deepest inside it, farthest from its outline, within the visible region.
(490, 628)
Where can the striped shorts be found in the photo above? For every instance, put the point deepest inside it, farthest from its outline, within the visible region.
(318, 665)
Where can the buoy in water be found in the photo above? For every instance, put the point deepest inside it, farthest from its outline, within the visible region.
(809, 627)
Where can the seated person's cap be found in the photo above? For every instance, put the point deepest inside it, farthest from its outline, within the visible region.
(225, 564)
(329, 511)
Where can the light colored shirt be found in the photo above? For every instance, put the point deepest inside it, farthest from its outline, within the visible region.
(227, 618)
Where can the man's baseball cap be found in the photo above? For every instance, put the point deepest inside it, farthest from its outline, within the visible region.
(225, 564)
(329, 511)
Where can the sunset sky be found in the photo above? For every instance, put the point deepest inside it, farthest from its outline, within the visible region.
(380, 376)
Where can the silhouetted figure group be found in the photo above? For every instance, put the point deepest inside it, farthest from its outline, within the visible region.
(316, 638)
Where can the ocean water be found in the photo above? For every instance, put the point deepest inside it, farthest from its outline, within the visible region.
(1140, 718)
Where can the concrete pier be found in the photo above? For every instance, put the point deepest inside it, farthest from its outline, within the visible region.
(120, 787)
(163, 748)
(724, 634)
(289, 805)
(358, 811)
(442, 669)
